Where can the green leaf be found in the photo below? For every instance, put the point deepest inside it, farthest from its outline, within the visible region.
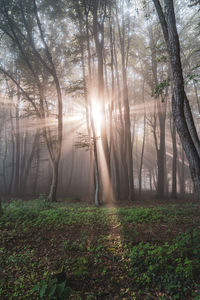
(60, 288)
(43, 290)
(67, 291)
(35, 288)
(52, 291)
(53, 281)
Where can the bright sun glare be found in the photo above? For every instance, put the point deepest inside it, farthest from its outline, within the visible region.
(97, 116)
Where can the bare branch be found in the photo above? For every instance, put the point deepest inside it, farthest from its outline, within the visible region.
(6, 73)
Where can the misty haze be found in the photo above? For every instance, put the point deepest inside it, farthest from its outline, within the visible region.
(100, 149)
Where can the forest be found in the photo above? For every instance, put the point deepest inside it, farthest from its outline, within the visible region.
(99, 149)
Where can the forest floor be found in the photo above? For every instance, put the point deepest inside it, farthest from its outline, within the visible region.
(67, 250)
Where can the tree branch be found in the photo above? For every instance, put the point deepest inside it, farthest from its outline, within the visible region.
(6, 73)
(162, 19)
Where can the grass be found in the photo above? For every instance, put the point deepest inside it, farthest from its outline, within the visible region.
(68, 251)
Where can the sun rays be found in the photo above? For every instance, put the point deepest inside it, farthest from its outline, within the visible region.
(96, 114)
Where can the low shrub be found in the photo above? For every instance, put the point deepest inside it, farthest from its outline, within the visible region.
(52, 289)
(173, 268)
(141, 215)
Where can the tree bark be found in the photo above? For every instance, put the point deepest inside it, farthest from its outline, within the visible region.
(54, 182)
(182, 172)
(184, 121)
(13, 155)
(127, 121)
(37, 166)
(24, 41)
(17, 149)
(124, 180)
(174, 161)
(98, 31)
(143, 144)
(29, 162)
(1, 209)
(4, 162)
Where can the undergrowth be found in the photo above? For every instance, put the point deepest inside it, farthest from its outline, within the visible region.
(170, 267)
(116, 253)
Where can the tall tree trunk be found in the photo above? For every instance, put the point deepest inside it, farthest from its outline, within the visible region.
(131, 195)
(142, 157)
(54, 182)
(23, 160)
(1, 209)
(127, 121)
(86, 84)
(111, 121)
(98, 31)
(143, 144)
(4, 162)
(17, 149)
(124, 180)
(13, 155)
(54, 154)
(161, 157)
(29, 162)
(182, 173)
(174, 161)
(150, 180)
(183, 120)
(96, 172)
(161, 110)
(37, 166)
(94, 163)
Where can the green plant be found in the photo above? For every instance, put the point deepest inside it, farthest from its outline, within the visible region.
(80, 244)
(90, 296)
(52, 289)
(80, 266)
(65, 245)
(20, 258)
(42, 197)
(140, 215)
(170, 267)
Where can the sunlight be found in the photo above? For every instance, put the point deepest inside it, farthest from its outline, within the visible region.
(76, 117)
(140, 132)
(106, 180)
(97, 116)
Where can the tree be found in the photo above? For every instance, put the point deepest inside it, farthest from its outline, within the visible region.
(180, 106)
(159, 87)
(174, 160)
(21, 24)
(124, 42)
